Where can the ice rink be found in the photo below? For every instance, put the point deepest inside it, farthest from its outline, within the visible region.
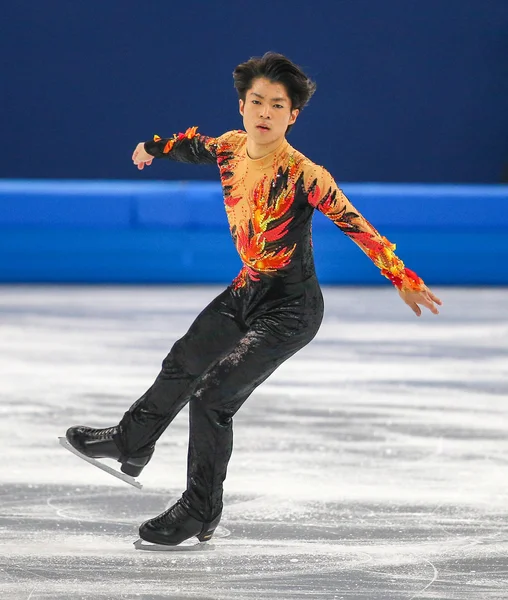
(372, 465)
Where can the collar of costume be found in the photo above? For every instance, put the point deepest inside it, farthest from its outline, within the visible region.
(269, 159)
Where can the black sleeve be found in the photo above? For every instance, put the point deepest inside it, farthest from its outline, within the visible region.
(188, 147)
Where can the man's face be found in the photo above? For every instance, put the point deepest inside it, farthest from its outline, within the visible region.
(267, 111)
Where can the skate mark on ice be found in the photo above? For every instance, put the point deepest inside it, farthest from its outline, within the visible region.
(436, 573)
(34, 575)
(17, 581)
(118, 474)
(470, 541)
(9, 575)
(31, 592)
(221, 532)
(61, 512)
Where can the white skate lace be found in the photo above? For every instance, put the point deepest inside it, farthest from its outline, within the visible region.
(103, 433)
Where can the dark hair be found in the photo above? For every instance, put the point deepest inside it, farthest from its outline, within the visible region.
(277, 69)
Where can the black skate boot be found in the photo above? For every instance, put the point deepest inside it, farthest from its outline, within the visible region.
(101, 443)
(176, 525)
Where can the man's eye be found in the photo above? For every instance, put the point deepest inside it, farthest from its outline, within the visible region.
(256, 102)
(278, 106)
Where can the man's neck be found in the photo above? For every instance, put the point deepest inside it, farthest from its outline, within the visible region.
(256, 151)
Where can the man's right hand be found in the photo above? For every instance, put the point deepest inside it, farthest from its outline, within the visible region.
(140, 157)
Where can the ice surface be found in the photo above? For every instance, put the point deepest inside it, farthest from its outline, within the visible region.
(373, 465)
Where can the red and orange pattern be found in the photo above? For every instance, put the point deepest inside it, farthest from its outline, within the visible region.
(177, 137)
(263, 198)
(380, 250)
(267, 225)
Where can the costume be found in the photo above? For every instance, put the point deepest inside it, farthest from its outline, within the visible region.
(272, 309)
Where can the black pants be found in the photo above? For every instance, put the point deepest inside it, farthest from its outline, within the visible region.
(234, 344)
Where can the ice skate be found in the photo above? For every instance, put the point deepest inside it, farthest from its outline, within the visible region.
(91, 444)
(173, 527)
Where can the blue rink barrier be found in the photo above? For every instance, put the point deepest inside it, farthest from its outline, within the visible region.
(177, 232)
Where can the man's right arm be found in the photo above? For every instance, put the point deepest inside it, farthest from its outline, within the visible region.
(189, 147)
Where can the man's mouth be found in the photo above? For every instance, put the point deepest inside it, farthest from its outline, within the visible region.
(263, 127)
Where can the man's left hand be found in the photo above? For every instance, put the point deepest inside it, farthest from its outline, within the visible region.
(424, 297)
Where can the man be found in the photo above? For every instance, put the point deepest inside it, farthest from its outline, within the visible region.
(272, 309)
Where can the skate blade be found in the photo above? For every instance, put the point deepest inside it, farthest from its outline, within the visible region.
(118, 474)
(190, 545)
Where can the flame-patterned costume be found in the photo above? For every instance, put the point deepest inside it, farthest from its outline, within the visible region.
(272, 309)
(270, 202)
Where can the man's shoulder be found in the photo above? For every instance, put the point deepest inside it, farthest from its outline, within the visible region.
(308, 167)
(232, 139)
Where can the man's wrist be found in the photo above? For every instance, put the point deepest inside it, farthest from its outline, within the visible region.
(151, 148)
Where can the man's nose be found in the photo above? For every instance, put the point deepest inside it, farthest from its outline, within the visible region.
(265, 111)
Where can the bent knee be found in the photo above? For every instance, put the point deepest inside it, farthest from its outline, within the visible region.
(181, 361)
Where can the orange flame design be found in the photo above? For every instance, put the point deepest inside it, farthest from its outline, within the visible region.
(252, 237)
(189, 134)
(379, 249)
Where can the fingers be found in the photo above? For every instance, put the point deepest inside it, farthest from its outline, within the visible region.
(432, 296)
(420, 298)
(427, 302)
(424, 298)
(431, 306)
(430, 299)
(140, 163)
(137, 155)
(415, 308)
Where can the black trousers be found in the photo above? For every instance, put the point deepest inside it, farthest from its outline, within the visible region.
(234, 344)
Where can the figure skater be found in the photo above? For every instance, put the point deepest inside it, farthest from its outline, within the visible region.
(273, 307)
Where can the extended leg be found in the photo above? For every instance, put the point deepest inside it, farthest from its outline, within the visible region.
(214, 331)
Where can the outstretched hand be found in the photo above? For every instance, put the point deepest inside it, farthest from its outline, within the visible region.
(424, 297)
(140, 157)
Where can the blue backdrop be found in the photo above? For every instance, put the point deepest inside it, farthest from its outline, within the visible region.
(161, 232)
(408, 91)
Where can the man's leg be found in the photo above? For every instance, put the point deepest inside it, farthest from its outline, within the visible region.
(216, 329)
(220, 392)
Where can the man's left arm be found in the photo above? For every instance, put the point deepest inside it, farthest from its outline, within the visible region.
(328, 198)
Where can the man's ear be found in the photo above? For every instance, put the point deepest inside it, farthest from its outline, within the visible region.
(294, 115)
(241, 105)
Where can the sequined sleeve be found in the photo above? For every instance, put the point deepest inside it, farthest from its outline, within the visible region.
(328, 198)
(189, 147)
